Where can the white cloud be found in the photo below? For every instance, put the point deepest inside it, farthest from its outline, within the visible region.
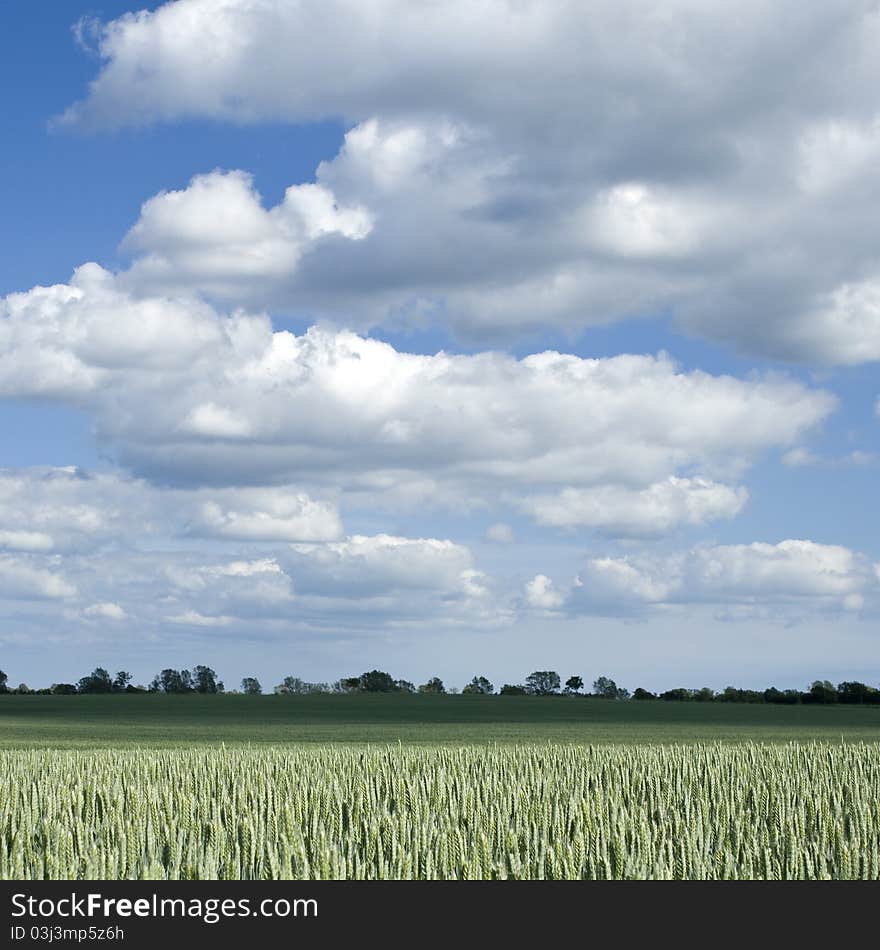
(195, 619)
(335, 412)
(68, 340)
(636, 220)
(337, 587)
(69, 510)
(793, 576)
(265, 515)
(627, 512)
(215, 234)
(629, 173)
(108, 611)
(25, 541)
(540, 593)
(381, 564)
(25, 579)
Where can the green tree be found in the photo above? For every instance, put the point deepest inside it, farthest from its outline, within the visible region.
(292, 686)
(404, 686)
(121, 681)
(574, 685)
(62, 689)
(677, 695)
(250, 686)
(855, 692)
(204, 680)
(4, 679)
(434, 685)
(787, 696)
(543, 683)
(605, 688)
(639, 693)
(821, 691)
(98, 681)
(479, 685)
(513, 689)
(172, 681)
(376, 681)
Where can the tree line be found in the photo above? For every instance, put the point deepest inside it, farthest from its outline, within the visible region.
(202, 679)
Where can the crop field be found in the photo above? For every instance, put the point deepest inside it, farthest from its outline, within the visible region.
(160, 721)
(556, 811)
(230, 787)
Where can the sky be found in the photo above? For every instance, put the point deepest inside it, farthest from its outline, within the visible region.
(451, 339)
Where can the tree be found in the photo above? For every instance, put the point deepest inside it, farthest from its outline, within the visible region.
(98, 681)
(434, 685)
(821, 691)
(787, 696)
(121, 681)
(677, 695)
(639, 693)
(704, 695)
(510, 689)
(855, 692)
(479, 685)
(376, 681)
(250, 686)
(205, 680)
(62, 689)
(4, 679)
(23, 689)
(292, 686)
(404, 686)
(542, 683)
(349, 684)
(730, 694)
(172, 681)
(605, 688)
(574, 685)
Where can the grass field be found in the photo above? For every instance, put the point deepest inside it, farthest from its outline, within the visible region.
(124, 721)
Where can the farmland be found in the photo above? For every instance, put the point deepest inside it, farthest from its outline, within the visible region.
(161, 721)
(560, 811)
(461, 787)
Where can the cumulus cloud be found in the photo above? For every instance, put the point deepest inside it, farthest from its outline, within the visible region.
(194, 619)
(654, 510)
(25, 541)
(22, 578)
(347, 586)
(264, 514)
(227, 400)
(541, 593)
(793, 576)
(68, 510)
(215, 233)
(579, 164)
(106, 611)
(382, 564)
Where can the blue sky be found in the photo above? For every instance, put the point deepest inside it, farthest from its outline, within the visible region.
(522, 337)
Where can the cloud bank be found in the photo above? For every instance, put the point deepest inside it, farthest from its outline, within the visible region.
(517, 166)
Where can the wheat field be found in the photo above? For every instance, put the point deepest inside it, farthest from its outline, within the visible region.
(556, 811)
